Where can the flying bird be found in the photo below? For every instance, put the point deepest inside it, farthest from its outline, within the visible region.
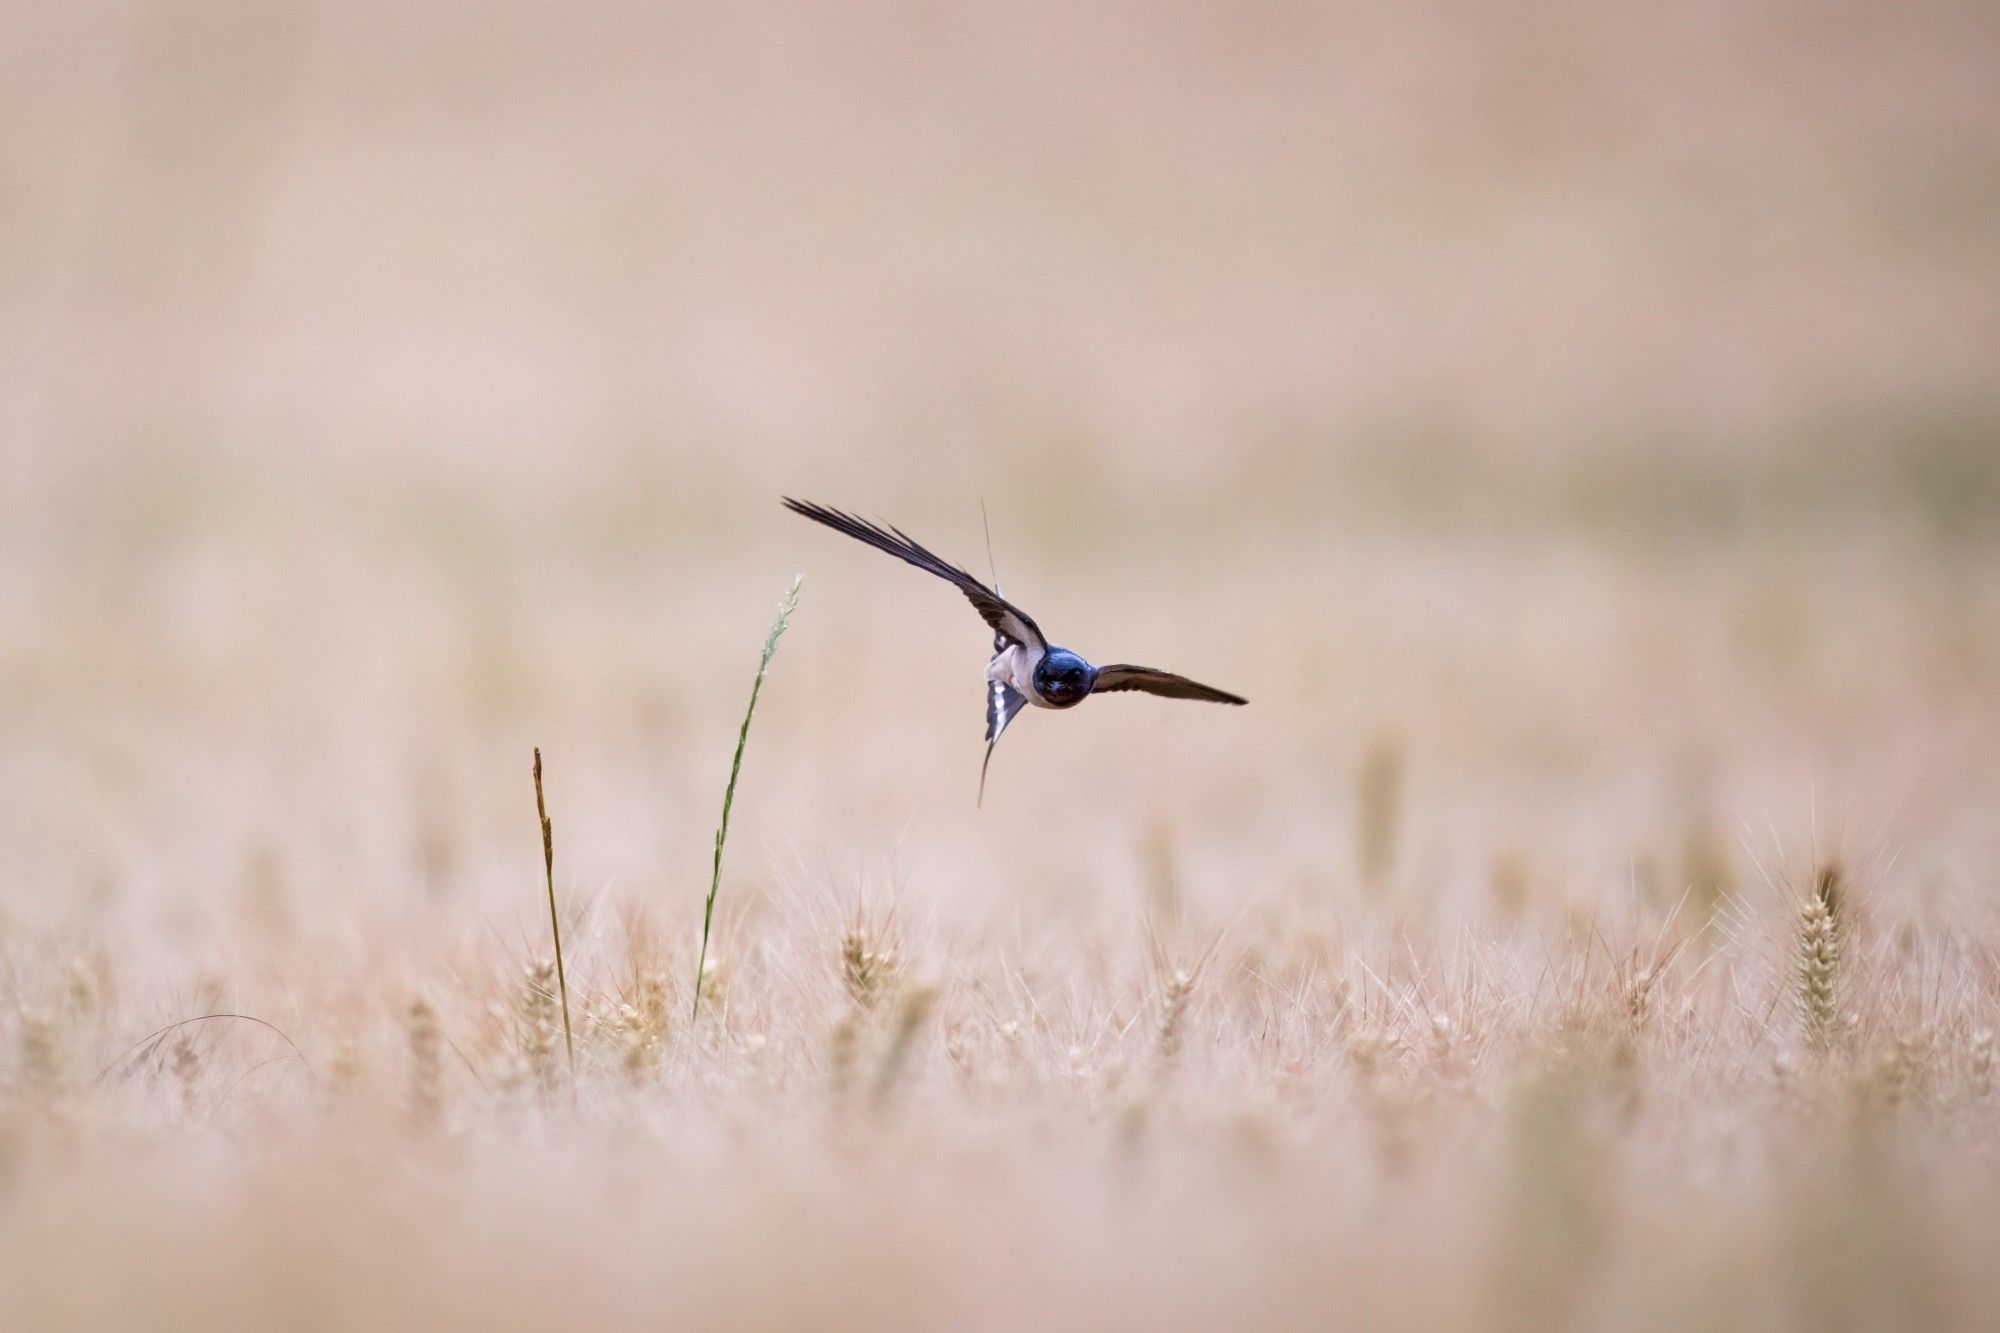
(1025, 668)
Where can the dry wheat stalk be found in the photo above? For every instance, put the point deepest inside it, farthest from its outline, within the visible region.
(555, 918)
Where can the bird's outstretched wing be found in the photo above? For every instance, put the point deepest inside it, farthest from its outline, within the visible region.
(1005, 619)
(1123, 676)
(1003, 701)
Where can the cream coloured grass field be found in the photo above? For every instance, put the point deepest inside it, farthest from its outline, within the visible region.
(1573, 431)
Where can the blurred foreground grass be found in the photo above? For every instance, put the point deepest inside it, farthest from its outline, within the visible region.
(1574, 430)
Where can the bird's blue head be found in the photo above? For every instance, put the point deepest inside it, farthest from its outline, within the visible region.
(1063, 678)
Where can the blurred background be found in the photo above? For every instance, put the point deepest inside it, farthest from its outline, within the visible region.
(1575, 428)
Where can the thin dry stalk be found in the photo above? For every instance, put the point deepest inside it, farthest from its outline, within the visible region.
(555, 918)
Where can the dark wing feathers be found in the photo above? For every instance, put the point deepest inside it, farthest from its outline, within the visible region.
(1001, 615)
(1002, 703)
(1123, 676)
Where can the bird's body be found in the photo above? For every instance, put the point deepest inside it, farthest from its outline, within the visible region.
(1025, 667)
(1013, 667)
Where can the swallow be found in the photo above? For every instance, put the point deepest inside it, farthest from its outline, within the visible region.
(1025, 668)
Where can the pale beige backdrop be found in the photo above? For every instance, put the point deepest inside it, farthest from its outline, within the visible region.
(1583, 415)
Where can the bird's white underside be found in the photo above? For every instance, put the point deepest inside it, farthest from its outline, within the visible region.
(1014, 666)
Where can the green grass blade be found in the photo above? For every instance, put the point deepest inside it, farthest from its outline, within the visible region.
(785, 609)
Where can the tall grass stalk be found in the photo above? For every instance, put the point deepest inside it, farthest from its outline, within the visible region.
(785, 609)
(555, 921)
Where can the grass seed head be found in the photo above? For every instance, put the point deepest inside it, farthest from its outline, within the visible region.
(540, 1024)
(426, 1064)
(1368, 1051)
(41, 1056)
(1638, 996)
(1979, 1064)
(1818, 970)
(1173, 1013)
(186, 1064)
(85, 993)
(643, 1022)
(714, 983)
(867, 969)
